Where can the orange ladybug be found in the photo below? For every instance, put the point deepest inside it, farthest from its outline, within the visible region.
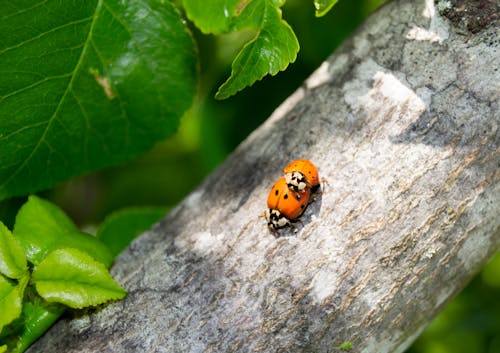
(284, 204)
(302, 174)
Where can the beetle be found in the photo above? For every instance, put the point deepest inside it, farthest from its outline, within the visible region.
(285, 205)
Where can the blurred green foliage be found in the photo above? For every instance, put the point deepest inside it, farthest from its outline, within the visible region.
(211, 129)
(471, 322)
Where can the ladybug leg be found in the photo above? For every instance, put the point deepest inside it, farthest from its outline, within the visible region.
(319, 191)
(324, 182)
(294, 228)
(275, 232)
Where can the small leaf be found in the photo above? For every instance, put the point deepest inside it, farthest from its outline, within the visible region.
(12, 259)
(121, 227)
(323, 6)
(87, 84)
(42, 227)
(41, 216)
(73, 278)
(274, 47)
(270, 51)
(10, 302)
(346, 346)
(3, 348)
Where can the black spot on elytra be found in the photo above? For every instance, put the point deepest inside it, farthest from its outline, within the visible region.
(285, 196)
(276, 192)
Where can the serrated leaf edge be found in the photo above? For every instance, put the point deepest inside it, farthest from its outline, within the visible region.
(220, 94)
(120, 292)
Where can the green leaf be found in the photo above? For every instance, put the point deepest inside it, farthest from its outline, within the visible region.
(3, 348)
(270, 51)
(10, 302)
(323, 6)
(346, 346)
(36, 318)
(87, 84)
(73, 278)
(13, 262)
(215, 16)
(274, 47)
(121, 227)
(42, 227)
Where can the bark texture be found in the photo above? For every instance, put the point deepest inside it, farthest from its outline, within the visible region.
(402, 122)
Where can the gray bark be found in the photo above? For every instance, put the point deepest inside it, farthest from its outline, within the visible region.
(402, 122)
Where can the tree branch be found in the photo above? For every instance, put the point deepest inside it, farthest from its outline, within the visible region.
(402, 121)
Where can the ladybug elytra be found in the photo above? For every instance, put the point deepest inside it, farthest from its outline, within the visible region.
(285, 204)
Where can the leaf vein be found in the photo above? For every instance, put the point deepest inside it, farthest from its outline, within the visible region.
(55, 29)
(68, 88)
(20, 130)
(24, 10)
(34, 84)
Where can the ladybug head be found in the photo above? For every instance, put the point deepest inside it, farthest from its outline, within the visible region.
(276, 220)
(296, 181)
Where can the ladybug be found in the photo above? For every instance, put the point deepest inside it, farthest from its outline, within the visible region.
(302, 174)
(284, 204)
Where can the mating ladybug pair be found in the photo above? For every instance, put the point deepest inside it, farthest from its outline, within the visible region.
(291, 194)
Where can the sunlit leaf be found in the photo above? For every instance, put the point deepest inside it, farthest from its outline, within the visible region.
(272, 49)
(73, 278)
(12, 259)
(87, 84)
(10, 302)
(42, 227)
